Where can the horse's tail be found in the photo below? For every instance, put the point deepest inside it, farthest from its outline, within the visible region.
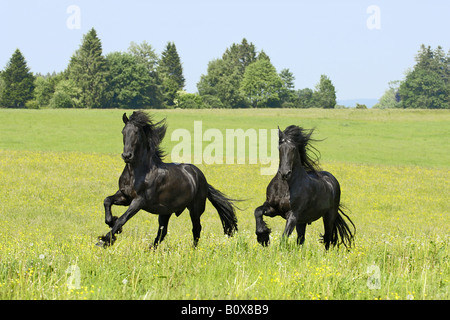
(225, 208)
(342, 230)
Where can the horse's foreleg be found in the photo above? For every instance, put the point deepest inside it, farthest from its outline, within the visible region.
(301, 228)
(262, 230)
(291, 223)
(110, 237)
(117, 199)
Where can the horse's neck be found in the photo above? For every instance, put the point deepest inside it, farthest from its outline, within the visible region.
(146, 162)
(298, 172)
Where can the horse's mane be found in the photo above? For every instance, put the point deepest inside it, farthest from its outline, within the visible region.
(309, 155)
(154, 132)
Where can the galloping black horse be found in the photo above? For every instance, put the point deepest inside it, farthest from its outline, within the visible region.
(301, 193)
(160, 188)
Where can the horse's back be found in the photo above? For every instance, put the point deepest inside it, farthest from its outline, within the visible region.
(332, 186)
(187, 173)
(330, 179)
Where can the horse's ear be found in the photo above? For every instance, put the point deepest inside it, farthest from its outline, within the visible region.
(125, 118)
(280, 133)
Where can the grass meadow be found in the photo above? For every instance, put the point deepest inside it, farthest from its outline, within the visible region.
(57, 166)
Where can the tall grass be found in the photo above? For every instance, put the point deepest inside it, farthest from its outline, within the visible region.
(51, 211)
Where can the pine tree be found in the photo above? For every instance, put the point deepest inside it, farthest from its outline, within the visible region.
(428, 84)
(170, 72)
(287, 92)
(241, 55)
(18, 82)
(87, 68)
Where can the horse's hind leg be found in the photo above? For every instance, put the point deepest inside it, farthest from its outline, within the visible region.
(328, 222)
(196, 226)
(301, 229)
(162, 230)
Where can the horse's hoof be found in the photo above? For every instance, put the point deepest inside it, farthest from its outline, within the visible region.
(101, 244)
(105, 241)
(263, 239)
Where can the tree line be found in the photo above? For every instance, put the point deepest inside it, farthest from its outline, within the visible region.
(241, 78)
(140, 78)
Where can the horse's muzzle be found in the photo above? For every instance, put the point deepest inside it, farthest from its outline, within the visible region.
(286, 175)
(127, 157)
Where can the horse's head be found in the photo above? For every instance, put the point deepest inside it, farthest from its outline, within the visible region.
(288, 155)
(296, 150)
(133, 139)
(142, 137)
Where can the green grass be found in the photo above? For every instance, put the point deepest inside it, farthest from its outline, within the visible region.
(51, 211)
(397, 137)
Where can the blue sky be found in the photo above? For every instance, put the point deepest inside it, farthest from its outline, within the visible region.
(360, 49)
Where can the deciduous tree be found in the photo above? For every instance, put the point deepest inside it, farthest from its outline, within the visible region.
(261, 84)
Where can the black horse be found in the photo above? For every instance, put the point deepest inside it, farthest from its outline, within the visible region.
(301, 193)
(160, 188)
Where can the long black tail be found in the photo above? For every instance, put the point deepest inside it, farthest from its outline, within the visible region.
(342, 230)
(225, 208)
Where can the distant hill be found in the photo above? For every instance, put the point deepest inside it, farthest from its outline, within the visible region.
(351, 103)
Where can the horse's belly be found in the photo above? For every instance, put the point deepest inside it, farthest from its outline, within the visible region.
(310, 216)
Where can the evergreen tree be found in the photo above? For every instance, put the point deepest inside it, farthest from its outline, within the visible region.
(170, 72)
(287, 92)
(240, 56)
(87, 68)
(428, 84)
(2, 86)
(17, 82)
(263, 55)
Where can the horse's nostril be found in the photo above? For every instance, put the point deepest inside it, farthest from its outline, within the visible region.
(126, 155)
(286, 175)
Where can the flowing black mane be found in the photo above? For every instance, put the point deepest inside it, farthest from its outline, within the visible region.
(309, 155)
(154, 132)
